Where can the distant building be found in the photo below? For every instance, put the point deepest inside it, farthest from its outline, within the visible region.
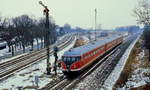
(104, 34)
(130, 29)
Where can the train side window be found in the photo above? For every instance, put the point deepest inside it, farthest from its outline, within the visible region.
(86, 56)
(89, 55)
(99, 49)
(92, 53)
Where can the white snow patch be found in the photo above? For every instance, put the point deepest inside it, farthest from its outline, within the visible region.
(19, 52)
(137, 78)
(26, 76)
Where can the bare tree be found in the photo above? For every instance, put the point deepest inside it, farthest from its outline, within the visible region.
(142, 12)
(7, 33)
(22, 30)
(23, 25)
(53, 34)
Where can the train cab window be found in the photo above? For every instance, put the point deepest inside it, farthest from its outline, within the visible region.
(69, 59)
(73, 59)
(64, 59)
(77, 58)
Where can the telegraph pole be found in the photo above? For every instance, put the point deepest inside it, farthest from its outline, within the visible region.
(95, 22)
(47, 36)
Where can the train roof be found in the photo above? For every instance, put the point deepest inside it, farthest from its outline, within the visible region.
(90, 46)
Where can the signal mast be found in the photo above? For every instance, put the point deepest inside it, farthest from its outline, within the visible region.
(47, 36)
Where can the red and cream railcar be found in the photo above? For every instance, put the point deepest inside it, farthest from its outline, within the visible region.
(77, 59)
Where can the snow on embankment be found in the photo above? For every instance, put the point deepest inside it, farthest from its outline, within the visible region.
(113, 77)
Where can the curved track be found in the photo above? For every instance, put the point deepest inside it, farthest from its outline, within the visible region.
(65, 83)
(9, 67)
(104, 66)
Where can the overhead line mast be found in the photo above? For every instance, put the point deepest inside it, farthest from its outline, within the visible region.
(95, 22)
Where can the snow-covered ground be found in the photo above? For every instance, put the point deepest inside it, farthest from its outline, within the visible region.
(6, 56)
(4, 52)
(139, 75)
(26, 76)
(137, 79)
(85, 39)
(113, 77)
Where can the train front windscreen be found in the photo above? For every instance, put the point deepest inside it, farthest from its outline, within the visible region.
(70, 60)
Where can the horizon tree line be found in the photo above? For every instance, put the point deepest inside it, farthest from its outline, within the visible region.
(22, 31)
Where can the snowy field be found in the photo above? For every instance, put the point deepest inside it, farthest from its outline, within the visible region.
(5, 55)
(26, 77)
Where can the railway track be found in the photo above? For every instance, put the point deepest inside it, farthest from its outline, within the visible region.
(104, 66)
(68, 84)
(9, 67)
(105, 69)
(27, 55)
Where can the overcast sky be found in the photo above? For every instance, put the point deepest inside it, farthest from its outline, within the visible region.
(111, 13)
